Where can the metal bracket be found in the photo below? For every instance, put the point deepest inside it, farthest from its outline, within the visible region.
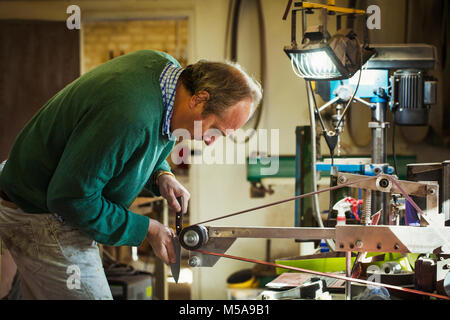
(411, 187)
(401, 239)
(383, 183)
(197, 259)
(302, 233)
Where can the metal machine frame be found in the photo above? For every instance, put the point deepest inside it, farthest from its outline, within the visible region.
(430, 237)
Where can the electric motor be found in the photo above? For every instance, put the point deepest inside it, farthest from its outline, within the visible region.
(412, 96)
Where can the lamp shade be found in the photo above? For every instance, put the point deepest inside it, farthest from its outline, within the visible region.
(315, 64)
(337, 59)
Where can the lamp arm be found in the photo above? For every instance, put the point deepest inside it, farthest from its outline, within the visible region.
(329, 103)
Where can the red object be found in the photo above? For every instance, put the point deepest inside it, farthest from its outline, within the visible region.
(355, 203)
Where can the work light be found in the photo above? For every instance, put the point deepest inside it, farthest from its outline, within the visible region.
(334, 59)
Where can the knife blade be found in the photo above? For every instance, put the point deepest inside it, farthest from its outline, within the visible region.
(175, 267)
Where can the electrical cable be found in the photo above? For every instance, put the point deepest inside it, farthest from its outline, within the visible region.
(357, 84)
(233, 15)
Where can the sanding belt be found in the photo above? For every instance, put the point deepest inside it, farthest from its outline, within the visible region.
(340, 277)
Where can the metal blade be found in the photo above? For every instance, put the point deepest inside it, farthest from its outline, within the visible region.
(175, 267)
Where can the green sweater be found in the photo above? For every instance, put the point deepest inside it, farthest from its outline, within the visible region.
(93, 147)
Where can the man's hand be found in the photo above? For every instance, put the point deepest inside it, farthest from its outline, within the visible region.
(171, 189)
(160, 238)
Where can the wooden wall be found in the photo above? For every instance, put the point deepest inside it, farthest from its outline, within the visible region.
(37, 59)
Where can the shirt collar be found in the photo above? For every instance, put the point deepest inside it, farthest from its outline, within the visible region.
(168, 82)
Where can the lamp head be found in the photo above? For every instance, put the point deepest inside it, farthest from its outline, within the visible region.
(320, 57)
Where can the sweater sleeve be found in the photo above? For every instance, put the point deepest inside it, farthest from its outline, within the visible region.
(161, 165)
(95, 153)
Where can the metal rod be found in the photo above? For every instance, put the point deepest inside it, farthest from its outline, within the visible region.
(379, 156)
(294, 28)
(370, 105)
(326, 105)
(348, 273)
(303, 23)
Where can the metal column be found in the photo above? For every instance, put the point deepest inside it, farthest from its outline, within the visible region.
(379, 155)
(304, 215)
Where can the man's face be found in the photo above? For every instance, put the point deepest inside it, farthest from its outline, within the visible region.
(188, 115)
(232, 119)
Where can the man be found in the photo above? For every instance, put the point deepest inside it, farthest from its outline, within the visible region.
(84, 157)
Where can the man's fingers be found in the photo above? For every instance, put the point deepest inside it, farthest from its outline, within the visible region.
(171, 252)
(161, 240)
(171, 189)
(165, 256)
(185, 202)
(173, 202)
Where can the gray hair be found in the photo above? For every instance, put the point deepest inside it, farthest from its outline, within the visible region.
(226, 82)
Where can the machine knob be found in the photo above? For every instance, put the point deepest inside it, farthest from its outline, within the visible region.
(194, 261)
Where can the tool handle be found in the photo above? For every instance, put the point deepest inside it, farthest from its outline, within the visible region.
(179, 216)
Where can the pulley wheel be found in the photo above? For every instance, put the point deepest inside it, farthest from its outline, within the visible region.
(193, 237)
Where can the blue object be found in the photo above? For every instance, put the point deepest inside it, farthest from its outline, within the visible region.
(370, 79)
(374, 293)
(365, 169)
(324, 246)
(411, 217)
(377, 99)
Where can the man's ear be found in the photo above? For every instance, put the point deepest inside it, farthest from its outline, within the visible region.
(203, 95)
(200, 98)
